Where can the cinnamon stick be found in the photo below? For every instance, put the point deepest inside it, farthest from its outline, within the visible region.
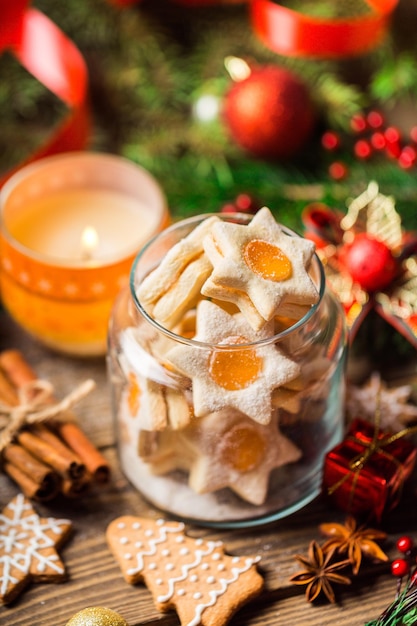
(75, 488)
(95, 462)
(74, 467)
(7, 392)
(20, 373)
(35, 479)
(16, 368)
(43, 451)
(29, 487)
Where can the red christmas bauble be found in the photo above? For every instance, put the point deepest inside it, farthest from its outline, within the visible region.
(370, 262)
(270, 113)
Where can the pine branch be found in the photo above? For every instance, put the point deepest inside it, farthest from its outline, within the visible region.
(395, 79)
(402, 612)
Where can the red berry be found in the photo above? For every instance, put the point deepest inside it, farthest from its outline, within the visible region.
(393, 150)
(407, 157)
(338, 170)
(404, 544)
(358, 123)
(378, 140)
(392, 134)
(244, 203)
(375, 119)
(400, 568)
(393, 137)
(370, 262)
(362, 149)
(330, 140)
(413, 579)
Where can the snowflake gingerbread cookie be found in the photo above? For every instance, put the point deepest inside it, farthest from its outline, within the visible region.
(193, 576)
(28, 548)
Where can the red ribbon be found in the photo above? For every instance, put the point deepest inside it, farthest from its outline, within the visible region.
(47, 53)
(290, 33)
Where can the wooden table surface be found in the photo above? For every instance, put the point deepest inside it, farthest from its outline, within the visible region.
(94, 579)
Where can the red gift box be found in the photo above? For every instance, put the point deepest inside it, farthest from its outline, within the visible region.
(364, 474)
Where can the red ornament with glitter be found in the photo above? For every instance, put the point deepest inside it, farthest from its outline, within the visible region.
(369, 259)
(269, 113)
(365, 474)
(370, 262)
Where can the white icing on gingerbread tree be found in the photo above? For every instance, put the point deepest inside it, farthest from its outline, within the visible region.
(193, 576)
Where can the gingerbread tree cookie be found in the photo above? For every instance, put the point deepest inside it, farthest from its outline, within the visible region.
(195, 577)
(28, 548)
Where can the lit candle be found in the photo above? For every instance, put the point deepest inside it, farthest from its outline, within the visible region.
(71, 227)
(89, 242)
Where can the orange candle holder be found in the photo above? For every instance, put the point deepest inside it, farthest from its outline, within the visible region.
(57, 290)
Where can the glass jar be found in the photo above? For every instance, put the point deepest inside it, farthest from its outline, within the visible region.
(236, 459)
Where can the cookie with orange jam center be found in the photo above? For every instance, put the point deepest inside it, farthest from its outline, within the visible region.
(243, 448)
(267, 260)
(234, 369)
(231, 450)
(223, 374)
(263, 261)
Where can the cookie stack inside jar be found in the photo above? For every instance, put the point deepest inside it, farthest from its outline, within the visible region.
(227, 368)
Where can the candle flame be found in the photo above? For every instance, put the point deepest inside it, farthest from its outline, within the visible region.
(89, 242)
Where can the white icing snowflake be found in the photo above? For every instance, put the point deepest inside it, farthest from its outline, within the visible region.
(28, 546)
(396, 412)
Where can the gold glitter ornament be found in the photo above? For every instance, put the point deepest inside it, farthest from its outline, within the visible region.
(97, 616)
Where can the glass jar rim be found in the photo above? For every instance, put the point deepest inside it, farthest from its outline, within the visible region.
(240, 218)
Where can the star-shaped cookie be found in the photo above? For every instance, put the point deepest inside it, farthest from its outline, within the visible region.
(174, 286)
(231, 450)
(225, 375)
(262, 261)
(393, 403)
(28, 548)
(222, 449)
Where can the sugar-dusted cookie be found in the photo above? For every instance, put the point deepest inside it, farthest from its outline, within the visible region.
(231, 450)
(260, 259)
(193, 576)
(288, 399)
(222, 449)
(153, 395)
(28, 548)
(174, 286)
(237, 378)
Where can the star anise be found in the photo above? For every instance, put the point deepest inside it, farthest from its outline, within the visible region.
(319, 573)
(354, 541)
